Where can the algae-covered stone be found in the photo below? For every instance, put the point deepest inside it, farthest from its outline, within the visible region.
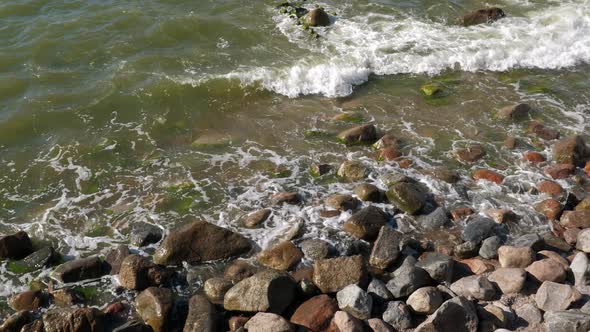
(408, 197)
(353, 170)
(317, 18)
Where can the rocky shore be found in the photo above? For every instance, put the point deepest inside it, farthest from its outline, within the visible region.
(441, 277)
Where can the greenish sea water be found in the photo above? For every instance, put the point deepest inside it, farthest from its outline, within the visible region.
(114, 113)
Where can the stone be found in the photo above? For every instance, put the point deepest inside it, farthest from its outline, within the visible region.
(478, 229)
(444, 174)
(35, 326)
(467, 249)
(333, 274)
(239, 270)
(315, 249)
(478, 266)
(560, 171)
(425, 300)
(514, 112)
(268, 290)
(456, 314)
(155, 306)
(378, 290)
(398, 315)
(488, 175)
(575, 219)
(550, 208)
(580, 268)
(529, 313)
(502, 216)
(15, 246)
(200, 242)
(438, 266)
(114, 258)
(29, 300)
(202, 315)
(533, 157)
(547, 270)
(583, 241)
(345, 322)
(510, 142)
(268, 322)
(366, 223)
(138, 273)
(74, 320)
(342, 202)
(406, 279)
(255, 219)
(378, 325)
(571, 150)
(542, 131)
(368, 193)
(281, 257)
(317, 170)
(317, 18)
(66, 297)
(567, 321)
(531, 240)
(471, 153)
(407, 197)
(554, 256)
(489, 247)
(552, 296)
(386, 248)
(570, 235)
(289, 198)
(215, 289)
(550, 187)
(510, 280)
(387, 141)
(365, 134)
(355, 301)
(79, 269)
(474, 287)
(584, 204)
(315, 313)
(16, 321)
(353, 170)
(144, 234)
(435, 220)
(510, 256)
(44, 257)
(389, 154)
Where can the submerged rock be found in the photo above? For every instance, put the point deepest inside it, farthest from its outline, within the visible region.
(366, 223)
(514, 112)
(256, 218)
(471, 153)
(29, 300)
(366, 134)
(481, 16)
(200, 242)
(138, 273)
(353, 170)
(144, 234)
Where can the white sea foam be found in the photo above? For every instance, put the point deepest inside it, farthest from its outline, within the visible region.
(553, 37)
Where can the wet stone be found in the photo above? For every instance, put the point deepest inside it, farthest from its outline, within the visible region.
(15, 246)
(281, 257)
(44, 257)
(75, 320)
(202, 315)
(79, 269)
(478, 229)
(386, 248)
(254, 219)
(408, 197)
(215, 289)
(342, 202)
(144, 234)
(368, 192)
(239, 270)
(353, 170)
(115, 257)
(365, 134)
(471, 153)
(366, 223)
(290, 198)
(155, 306)
(560, 171)
(29, 300)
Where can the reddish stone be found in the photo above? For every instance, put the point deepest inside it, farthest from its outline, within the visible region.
(316, 313)
(488, 175)
(389, 153)
(329, 213)
(460, 213)
(560, 171)
(533, 157)
(543, 132)
(550, 208)
(549, 187)
(477, 265)
(405, 163)
(114, 308)
(575, 219)
(502, 216)
(570, 235)
(547, 270)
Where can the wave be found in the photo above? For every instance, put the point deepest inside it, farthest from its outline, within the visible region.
(354, 48)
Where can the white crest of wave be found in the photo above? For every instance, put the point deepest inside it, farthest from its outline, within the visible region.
(554, 37)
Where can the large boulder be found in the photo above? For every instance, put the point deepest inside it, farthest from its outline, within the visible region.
(386, 248)
(267, 322)
(315, 313)
(481, 16)
(202, 315)
(366, 223)
(333, 274)
(407, 197)
(366, 134)
(571, 150)
(200, 242)
(74, 320)
(79, 269)
(552, 296)
(567, 321)
(282, 257)
(268, 291)
(455, 315)
(15, 246)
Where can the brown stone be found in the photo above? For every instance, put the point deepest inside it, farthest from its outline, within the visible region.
(239, 270)
(333, 274)
(389, 154)
(471, 153)
(509, 280)
(556, 257)
(533, 157)
(510, 256)
(342, 202)
(547, 270)
(502, 216)
(281, 257)
(366, 223)
(542, 131)
(74, 320)
(478, 266)
(237, 322)
(15, 246)
(571, 150)
(481, 16)
(510, 142)
(560, 171)
(461, 213)
(29, 300)
(587, 168)
(316, 313)
(514, 112)
(256, 218)
(488, 175)
(575, 219)
(286, 198)
(570, 235)
(365, 134)
(550, 208)
(155, 306)
(405, 163)
(549, 187)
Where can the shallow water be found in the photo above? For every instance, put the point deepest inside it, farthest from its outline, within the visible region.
(119, 112)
